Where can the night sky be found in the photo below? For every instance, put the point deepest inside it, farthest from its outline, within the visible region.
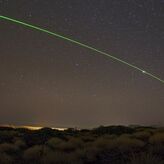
(47, 81)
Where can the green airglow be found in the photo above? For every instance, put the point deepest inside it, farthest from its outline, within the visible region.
(80, 44)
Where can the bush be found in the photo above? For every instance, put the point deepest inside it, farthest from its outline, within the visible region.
(6, 159)
(54, 143)
(76, 141)
(157, 149)
(145, 159)
(105, 143)
(87, 138)
(33, 153)
(160, 130)
(111, 136)
(112, 144)
(129, 144)
(8, 148)
(157, 138)
(58, 157)
(71, 145)
(143, 135)
(7, 136)
(113, 130)
(20, 143)
(88, 154)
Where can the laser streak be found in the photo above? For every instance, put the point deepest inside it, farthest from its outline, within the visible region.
(80, 44)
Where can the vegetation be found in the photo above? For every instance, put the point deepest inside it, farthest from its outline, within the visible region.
(102, 145)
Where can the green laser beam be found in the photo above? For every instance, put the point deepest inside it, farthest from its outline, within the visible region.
(80, 44)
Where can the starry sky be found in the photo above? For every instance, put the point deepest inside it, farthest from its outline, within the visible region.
(47, 81)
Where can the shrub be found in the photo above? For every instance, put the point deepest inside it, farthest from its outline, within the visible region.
(7, 136)
(71, 145)
(58, 157)
(145, 159)
(88, 154)
(129, 144)
(160, 130)
(157, 138)
(104, 143)
(111, 136)
(6, 159)
(113, 130)
(8, 148)
(143, 135)
(35, 153)
(67, 146)
(157, 149)
(20, 143)
(88, 138)
(76, 141)
(54, 142)
(124, 135)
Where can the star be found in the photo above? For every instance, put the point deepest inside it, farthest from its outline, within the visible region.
(143, 71)
(77, 64)
(61, 80)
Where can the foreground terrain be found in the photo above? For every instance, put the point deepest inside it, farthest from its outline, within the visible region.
(102, 145)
